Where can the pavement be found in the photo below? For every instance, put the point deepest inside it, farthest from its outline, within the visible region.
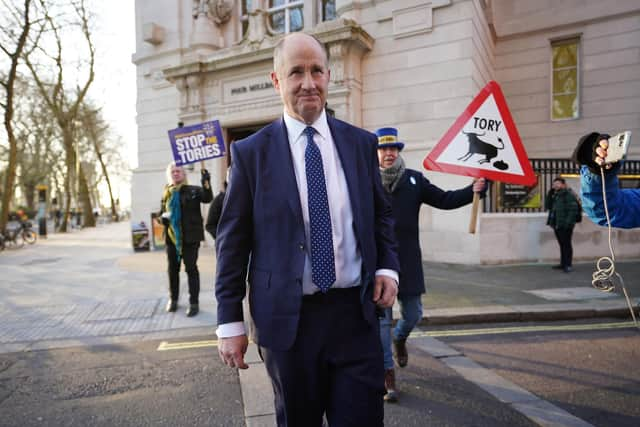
(88, 287)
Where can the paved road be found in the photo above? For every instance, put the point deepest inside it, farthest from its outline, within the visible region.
(558, 373)
(88, 288)
(588, 369)
(137, 385)
(118, 385)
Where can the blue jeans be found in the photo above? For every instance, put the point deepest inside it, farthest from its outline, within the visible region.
(411, 313)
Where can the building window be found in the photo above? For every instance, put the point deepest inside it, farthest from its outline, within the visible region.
(285, 16)
(328, 12)
(246, 6)
(565, 99)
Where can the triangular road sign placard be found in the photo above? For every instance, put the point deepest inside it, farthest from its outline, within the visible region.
(483, 142)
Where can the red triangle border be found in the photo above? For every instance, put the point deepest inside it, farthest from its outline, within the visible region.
(529, 178)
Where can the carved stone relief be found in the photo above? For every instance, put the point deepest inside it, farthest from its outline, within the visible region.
(181, 85)
(194, 101)
(257, 29)
(219, 11)
(190, 90)
(337, 53)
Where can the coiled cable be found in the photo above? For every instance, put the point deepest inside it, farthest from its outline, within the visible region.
(604, 278)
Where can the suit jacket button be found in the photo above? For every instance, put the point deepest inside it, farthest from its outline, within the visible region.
(301, 247)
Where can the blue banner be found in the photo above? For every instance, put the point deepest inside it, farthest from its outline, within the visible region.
(195, 143)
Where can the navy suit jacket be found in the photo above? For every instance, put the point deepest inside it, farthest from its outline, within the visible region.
(261, 229)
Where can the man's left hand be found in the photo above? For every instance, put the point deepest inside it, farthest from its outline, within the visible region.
(479, 185)
(385, 290)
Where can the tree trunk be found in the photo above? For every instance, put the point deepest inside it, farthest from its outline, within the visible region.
(30, 196)
(10, 176)
(114, 213)
(8, 85)
(88, 219)
(70, 160)
(67, 205)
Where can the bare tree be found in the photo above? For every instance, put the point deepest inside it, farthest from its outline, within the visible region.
(63, 102)
(13, 48)
(38, 141)
(97, 131)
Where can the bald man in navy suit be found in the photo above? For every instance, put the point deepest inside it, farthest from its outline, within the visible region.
(307, 218)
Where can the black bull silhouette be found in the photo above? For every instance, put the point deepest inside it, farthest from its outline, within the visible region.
(478, 146)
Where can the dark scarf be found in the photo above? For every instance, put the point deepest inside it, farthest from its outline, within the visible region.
(391, 175)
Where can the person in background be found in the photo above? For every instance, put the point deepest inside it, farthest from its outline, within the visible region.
(213, 217)
(623, 204)
(564, 208)
(307, 224)
(57, 218)
(409, 190)
(180, 213)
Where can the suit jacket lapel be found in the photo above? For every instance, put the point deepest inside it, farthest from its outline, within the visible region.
(287, 178)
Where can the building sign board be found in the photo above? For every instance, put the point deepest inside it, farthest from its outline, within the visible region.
(247, 89)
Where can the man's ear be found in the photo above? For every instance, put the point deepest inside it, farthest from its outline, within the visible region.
(275, 81)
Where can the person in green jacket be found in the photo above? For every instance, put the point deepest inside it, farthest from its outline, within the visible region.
(564, 209)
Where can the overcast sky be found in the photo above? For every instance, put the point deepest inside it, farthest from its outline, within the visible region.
(115, 82)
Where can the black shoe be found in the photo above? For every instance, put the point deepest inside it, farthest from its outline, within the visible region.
(400, 353)
(192, 310)
(558, 267)
(391, 395)
(172, 306)
(567, 269)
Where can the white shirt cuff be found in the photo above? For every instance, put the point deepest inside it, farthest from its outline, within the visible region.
(389, 273)
(228, 330)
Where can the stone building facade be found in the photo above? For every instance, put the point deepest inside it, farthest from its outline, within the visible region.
(566, 68)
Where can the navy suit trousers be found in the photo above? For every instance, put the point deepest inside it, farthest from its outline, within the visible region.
(335, 366)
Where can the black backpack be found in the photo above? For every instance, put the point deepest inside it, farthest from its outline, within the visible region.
(579, 213)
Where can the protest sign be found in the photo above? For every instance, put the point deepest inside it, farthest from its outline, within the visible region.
(483, 142)
(195, 143)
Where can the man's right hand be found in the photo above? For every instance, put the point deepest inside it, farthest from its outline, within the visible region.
(232, 351)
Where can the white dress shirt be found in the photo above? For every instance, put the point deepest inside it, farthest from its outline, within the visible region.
(348, 260)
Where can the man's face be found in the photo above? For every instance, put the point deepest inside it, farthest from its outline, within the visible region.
(302, 77)
(177, 174)
(387, 156)
(557, 185)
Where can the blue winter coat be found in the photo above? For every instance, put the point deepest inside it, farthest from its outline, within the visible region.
(623, 204)
(412, 191)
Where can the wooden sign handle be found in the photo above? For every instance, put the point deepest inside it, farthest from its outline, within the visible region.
(474, 213)
(202, 167)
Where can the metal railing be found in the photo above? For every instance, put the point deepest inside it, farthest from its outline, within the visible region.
(514, 198)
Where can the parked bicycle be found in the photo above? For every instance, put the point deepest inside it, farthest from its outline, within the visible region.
(13, 237)
(28, 235)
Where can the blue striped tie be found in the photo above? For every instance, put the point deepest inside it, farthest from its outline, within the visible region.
(323, 271)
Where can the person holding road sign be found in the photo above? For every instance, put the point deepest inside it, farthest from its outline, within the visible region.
(408, 190)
